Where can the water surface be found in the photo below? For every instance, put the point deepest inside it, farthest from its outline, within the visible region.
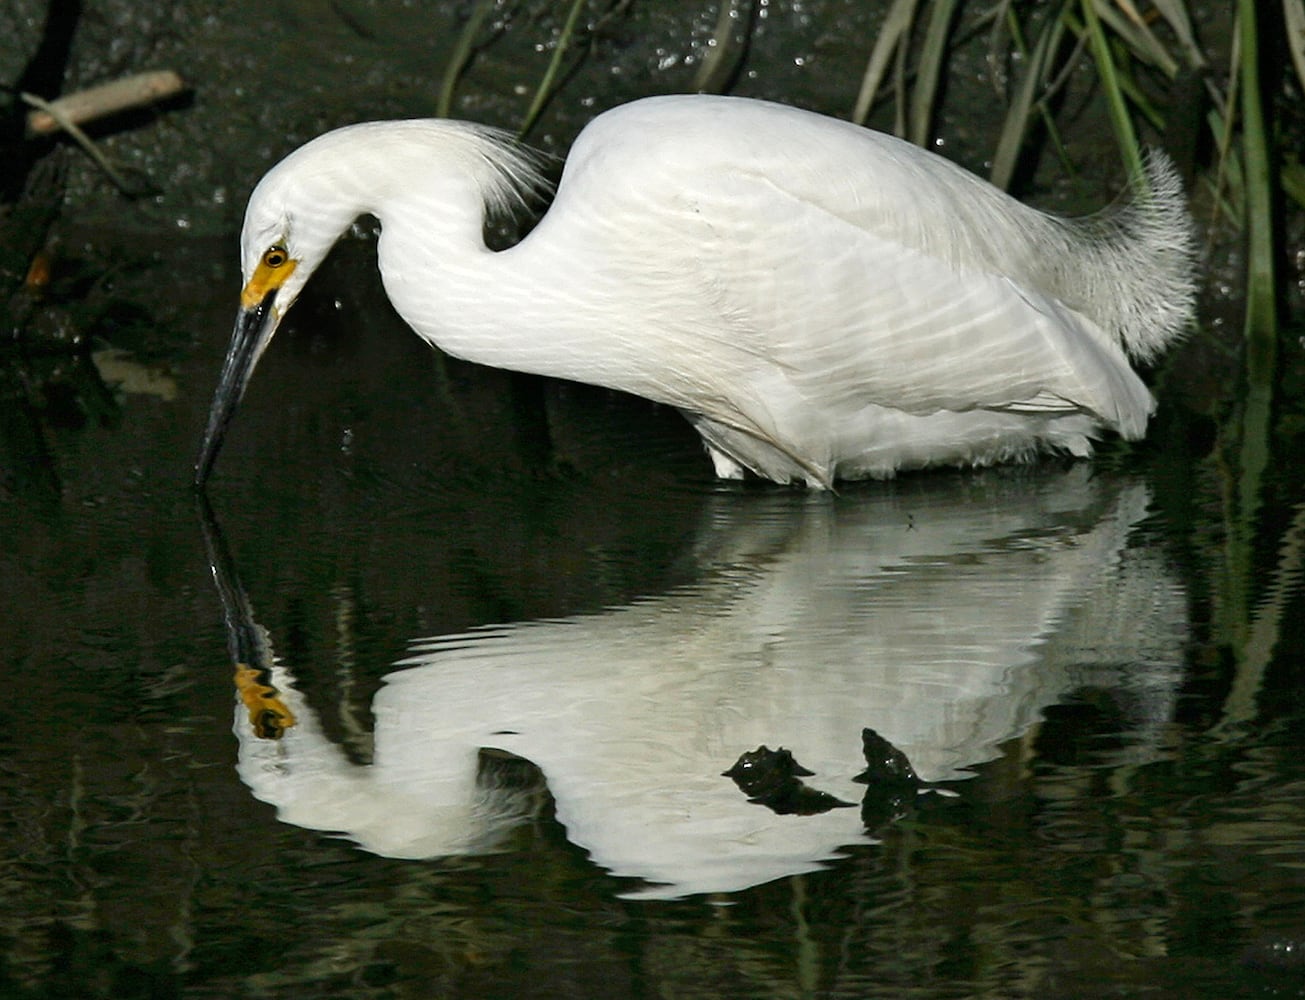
(436, 699)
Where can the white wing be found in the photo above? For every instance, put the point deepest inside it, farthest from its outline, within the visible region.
(793, 282)
(856, 318)
(866, 270)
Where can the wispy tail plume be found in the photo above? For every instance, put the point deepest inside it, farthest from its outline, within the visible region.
(1133, 267)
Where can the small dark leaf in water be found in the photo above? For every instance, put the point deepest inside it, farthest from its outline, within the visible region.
(885, 764)
(755, 768)
(773, 778)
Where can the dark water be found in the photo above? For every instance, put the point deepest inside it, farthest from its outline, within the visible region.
(451, 716)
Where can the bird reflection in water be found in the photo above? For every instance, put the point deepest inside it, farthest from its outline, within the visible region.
(247, 642)
(813, 619)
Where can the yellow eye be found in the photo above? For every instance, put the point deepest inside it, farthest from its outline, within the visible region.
(275, 257)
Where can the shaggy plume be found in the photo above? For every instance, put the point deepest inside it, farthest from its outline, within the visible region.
(1131, 268)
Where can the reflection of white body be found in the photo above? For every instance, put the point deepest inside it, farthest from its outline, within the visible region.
(924, 617)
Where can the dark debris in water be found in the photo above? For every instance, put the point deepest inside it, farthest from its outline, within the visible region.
(885, 764)
(773, 778)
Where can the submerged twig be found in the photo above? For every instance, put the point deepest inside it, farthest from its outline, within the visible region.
(125, 94)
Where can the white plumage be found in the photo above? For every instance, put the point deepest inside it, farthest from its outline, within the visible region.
(820, 300)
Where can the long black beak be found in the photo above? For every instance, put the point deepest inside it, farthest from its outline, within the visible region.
(254, 327)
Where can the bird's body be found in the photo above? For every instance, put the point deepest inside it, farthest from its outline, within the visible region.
(820, 300)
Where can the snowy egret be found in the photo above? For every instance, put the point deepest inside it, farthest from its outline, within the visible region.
(820, 300)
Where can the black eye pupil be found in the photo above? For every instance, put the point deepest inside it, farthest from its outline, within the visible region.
(274, 258)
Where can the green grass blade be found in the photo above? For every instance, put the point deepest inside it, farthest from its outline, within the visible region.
(1261, 322)
(1292, 177)
(899, 88)
(893, 34)
(932, 56)
(718, 64)
(1138, 99)
(1124, 20)
(1108, 74)
(1175, 14)
(1261, 287)
(1227, 181)
(1293, 16)
(1004, 21)
(1023, 103)
(461, 56)
(546, 84)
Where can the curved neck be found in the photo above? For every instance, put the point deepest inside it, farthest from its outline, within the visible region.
(539, 307)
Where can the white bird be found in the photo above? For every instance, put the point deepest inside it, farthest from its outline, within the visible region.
(820, 300)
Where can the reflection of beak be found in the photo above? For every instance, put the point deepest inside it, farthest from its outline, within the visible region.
(248, 644)
(254, 328)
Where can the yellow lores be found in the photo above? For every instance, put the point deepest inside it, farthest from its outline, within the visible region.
(272, 270)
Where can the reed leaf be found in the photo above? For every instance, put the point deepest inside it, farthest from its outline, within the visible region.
(1175, 14)
(1261, 287)
(1138, 100)
(722, 57)
(547, 83)
(1107, 73)
(899, 88)
(1024, 101)
(1124, 20)
(893, 34)
(1293, 16)
(1004, 22)
(1291, 175)
(461, 56)
(932, 56)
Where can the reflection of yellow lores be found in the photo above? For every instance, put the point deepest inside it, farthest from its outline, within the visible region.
(268, 714)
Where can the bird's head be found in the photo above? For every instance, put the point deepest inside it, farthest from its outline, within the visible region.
(303, 204)
(292, 221)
